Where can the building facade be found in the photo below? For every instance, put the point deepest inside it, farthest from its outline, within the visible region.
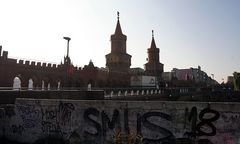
(188, 77)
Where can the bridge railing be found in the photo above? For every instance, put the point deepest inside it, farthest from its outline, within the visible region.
(110, 92)
(40, 88)
(139, 93)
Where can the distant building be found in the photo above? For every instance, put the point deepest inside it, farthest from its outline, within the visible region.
(183, 74)
(194, 74)
(233, 82)
(230, 79)
(187, 77)
(167, 76)
(236, 81)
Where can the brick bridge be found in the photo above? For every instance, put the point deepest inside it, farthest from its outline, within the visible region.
(43, 75)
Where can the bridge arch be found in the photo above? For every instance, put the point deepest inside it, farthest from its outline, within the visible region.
(17, 83)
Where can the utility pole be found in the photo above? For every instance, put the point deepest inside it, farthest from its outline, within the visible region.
(68, 39)
(67, 61)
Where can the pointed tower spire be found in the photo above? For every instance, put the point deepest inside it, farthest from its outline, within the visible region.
(153, 45)
(118, 60)
(118, 30)
(118, 15)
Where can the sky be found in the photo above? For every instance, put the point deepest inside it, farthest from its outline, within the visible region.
(189, 33)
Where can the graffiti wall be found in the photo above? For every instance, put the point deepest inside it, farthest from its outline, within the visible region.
(102, 122)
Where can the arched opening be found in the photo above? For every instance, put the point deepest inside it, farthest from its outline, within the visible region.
(16, 83)
(35, 82)
(89, 87)
(30, 84)
(43, 85)
(48, 86)
(91, 82)
(58, 85)
(46, 83)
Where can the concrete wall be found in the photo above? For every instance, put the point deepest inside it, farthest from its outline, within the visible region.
(103, 122)
(9, 96)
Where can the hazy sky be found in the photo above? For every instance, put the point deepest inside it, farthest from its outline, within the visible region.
(188, 32)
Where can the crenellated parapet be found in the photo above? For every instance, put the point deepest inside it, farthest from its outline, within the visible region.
(26, 63)
(43, 73)
(31, 64)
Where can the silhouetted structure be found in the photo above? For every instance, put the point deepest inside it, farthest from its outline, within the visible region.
(118, 60)
(153, 67)
(45, 75)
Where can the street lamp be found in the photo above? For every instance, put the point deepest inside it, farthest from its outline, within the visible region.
(67, 61)
(68, 39)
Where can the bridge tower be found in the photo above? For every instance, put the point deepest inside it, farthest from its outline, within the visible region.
(118, 60)
(153, 67)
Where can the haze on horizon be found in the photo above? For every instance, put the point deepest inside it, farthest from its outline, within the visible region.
(189, 33)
